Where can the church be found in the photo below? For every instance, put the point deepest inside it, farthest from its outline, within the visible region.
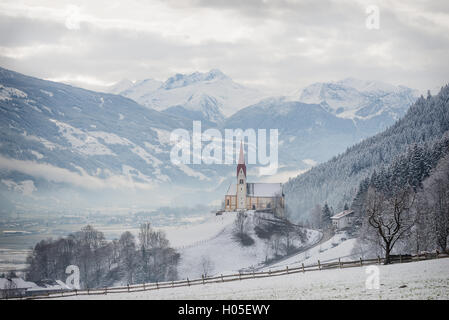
(245, 195)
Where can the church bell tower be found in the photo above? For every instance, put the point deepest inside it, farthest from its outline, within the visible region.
(241, 180)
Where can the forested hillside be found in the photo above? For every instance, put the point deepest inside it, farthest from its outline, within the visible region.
(406, 202)
(336, 181)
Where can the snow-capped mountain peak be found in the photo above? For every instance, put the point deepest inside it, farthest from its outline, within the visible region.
(120, 86)
(359, 99)
(193, 92)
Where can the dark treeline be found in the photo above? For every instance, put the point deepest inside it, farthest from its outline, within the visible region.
(105, 263)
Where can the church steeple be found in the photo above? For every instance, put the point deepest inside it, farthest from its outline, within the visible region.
(241, 180)
(241, 164)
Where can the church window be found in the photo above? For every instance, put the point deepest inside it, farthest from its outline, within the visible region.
(241, 181)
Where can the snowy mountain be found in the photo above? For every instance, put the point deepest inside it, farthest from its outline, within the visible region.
(212, 94)
(306, 131)
(336, 181)
(120, 86)
(373, 105)
(59, 139)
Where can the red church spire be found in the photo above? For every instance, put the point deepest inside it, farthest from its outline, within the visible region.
(241, 163)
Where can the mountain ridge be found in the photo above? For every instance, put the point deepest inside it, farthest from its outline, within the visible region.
(336, 181)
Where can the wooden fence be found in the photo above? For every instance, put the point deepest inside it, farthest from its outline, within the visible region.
(237, 277)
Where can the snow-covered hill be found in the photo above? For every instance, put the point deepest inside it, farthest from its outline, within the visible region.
(339, 246)
(218, 247)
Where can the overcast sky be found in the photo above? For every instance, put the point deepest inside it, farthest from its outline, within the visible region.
(274, 45)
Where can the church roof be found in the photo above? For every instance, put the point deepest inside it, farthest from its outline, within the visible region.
(232, 190)
(258, 189)
(342, 214)
(264, 189)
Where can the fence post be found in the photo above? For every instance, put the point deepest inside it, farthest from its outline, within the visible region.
(378, 260)
(319, 265)
(222, 280)
(303, 270)
(106, 289)
(269, 272)
(188, 283)
(157, 285)
(172, 284)
(240, 275)
(339, 263)
(361, 263)
(202, 277)
(87, 290)
(286, 268)
(128, 286)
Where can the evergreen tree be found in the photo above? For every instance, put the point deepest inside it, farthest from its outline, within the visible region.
(326, 217)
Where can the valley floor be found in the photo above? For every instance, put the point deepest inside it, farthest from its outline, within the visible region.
(416, 280)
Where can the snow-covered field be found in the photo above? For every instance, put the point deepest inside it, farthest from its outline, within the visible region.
(194, 233)
(213, 241)
(339, 246)
(417, 280)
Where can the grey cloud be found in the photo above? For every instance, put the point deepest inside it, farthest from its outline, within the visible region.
(20, 31)
(292, 45)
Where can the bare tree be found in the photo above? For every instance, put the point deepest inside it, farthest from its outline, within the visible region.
(240, 229)
(157, 260)
(127, 255)
(278, 206)
(276, 244)
(239, 224)
(436, 192)
(390, 216)
(207, 266)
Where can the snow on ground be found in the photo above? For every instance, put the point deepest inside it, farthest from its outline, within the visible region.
(422, 280)
(81, 141)
(336, 247)
(194, 233)
(225, 254)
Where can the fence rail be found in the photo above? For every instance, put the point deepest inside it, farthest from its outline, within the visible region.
(300, 268)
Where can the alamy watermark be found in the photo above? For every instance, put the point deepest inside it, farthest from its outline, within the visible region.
(73, 280)
(372, 280)
(372, 21)
(188, 149)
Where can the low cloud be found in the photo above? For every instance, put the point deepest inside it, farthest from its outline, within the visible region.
(61, 175)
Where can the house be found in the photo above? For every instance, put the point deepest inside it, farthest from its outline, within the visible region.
(343, 219)
(14, 287)
(245, 195)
